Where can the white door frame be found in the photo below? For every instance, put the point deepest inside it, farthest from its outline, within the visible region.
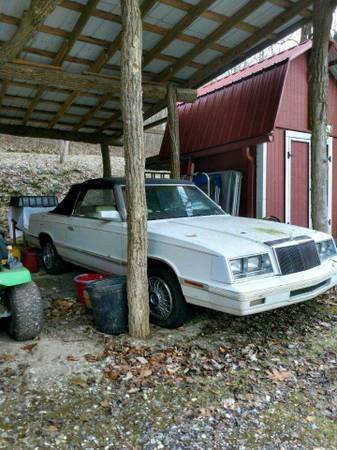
(296, 136)
(261, 180)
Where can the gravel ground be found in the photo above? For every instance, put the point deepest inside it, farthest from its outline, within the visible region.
(219, 382)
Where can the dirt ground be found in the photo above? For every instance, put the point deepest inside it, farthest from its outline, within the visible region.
(220, 382)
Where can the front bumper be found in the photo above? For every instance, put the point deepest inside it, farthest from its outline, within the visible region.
(254, 296)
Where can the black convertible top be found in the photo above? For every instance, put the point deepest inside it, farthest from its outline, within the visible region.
(66, 206)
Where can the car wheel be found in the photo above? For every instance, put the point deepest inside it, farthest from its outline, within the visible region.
(26, 309)
(52, 262)
(168, 307)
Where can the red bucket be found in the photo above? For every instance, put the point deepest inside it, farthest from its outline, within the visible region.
(30, 260)
(82, 282)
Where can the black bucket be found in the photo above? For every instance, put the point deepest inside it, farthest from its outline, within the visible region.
(109, 304)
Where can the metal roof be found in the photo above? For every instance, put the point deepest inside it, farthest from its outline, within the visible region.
(238, 110)
(200, 46)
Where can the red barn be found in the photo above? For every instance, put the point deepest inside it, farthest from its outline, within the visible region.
(256, 121)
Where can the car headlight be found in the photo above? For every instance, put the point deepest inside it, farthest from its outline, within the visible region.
(250, 266)
(326, 249)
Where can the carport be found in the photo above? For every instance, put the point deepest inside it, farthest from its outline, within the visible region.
(69, 72)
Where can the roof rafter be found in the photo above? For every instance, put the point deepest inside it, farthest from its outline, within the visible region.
(219, 63)
(29, 24)
(102, 59)
(64, 51)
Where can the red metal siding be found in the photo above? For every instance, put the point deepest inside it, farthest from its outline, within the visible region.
(294, 108)
(299, 184)
(276, 176)
(238, 112)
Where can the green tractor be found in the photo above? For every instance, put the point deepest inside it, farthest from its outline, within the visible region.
(20, 299)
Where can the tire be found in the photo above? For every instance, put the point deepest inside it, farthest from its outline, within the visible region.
(52, 262)
(26, 307)
(168, 307)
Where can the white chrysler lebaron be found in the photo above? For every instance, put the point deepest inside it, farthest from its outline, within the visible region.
(197, 253)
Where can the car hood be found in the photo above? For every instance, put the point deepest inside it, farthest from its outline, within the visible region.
(225, 234)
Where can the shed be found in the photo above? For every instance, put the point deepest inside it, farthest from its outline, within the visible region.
(256, 121)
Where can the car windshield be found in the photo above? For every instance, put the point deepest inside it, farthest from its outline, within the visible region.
(172, 201)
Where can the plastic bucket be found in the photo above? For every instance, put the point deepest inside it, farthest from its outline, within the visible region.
(30, 260)
(109, 304)
(82, 281)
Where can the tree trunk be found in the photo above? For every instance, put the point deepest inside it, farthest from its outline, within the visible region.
(319, 79)
(306, 32)
(132, 103)
(173, 125)
(106, 160)
(64, 151)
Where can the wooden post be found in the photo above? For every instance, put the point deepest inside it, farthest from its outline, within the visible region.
(319, 79)
(173, 125)
(132, 110)
(64, 151)
(106, 160)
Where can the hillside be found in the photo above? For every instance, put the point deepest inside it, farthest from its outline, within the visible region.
(41, 174)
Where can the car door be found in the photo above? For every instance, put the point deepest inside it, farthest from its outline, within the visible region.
(94, 232)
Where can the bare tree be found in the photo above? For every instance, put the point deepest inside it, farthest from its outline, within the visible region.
(319, 79)
(306, 32)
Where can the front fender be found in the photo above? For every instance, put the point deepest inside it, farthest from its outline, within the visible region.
(14, 277)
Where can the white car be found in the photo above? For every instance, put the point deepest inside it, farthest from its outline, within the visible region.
(197, 253)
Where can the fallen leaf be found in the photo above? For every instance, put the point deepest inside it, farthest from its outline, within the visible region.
(52, 429)
(6, 358)
(105, 404)
(79, 381)
(142, 360)
(91, 358)
(279, 375)
(145, 373)
(113, 375)
(72, 358)
(29, 347)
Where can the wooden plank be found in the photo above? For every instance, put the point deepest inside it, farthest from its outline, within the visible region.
(243, 13)
(29, 24)
(91, 138)
(92, 111)
(173, 125)
(217, 65)
(132, 105)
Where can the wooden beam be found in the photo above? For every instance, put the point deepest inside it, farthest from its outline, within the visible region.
(181, 25)
(3, 89)
(45, 74)
(173, 125)
(29, 24)
(243, 12)
(155, 123)
(218, 64)
(132, 105)
(91, 138)
(106, 160)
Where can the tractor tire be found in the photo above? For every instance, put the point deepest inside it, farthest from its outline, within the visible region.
(168, 307)
(52, 261)
(26, 308)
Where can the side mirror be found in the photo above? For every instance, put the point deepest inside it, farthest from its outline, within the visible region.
(110, 215)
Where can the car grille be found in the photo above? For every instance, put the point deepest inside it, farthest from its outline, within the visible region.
(298, 257)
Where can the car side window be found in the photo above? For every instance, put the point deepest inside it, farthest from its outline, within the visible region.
(95, 203)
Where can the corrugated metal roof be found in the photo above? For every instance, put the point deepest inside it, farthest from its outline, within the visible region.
(234, 109)
(102, 29)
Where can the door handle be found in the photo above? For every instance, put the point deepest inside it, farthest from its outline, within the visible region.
(70, 228)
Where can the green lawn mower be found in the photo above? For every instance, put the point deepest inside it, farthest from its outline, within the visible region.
(20, 299)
